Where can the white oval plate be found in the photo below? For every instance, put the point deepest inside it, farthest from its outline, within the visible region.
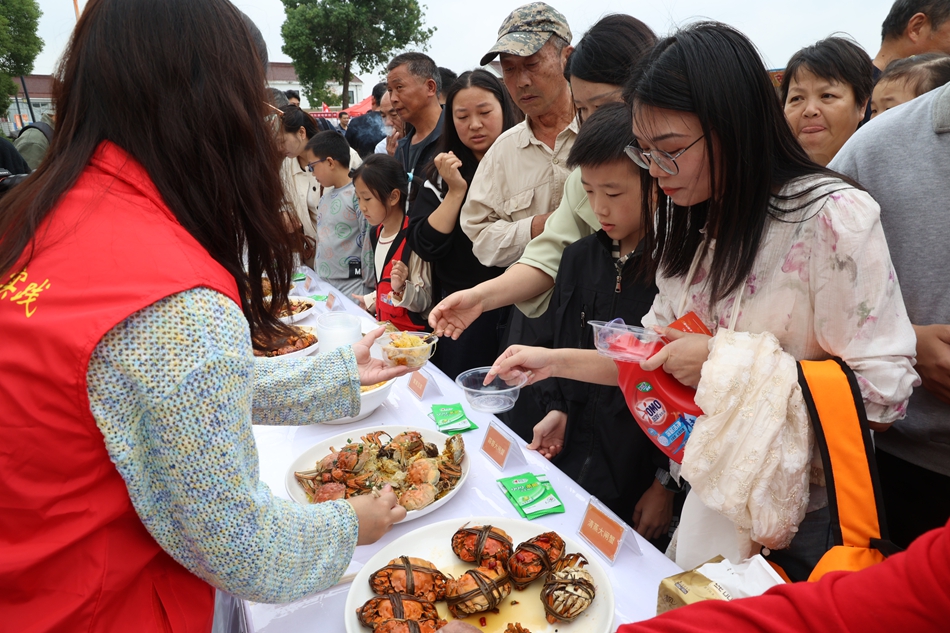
(307, 351)
(308, 459)
(369, 402)
(300, 316)
(434, 544)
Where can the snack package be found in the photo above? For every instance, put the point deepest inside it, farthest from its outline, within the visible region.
(451, 419)
(532, 495)
(719, 579)
(687, 588)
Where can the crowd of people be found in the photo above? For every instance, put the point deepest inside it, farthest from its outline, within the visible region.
(625, 176)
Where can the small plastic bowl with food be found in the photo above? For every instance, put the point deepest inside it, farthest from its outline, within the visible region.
(302, 343)
(630, 343)
(495, 397)
(412, 349)
(296, 309)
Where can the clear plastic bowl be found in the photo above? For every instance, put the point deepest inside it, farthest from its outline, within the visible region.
(414, 356)
(629, 343)
(495, 397)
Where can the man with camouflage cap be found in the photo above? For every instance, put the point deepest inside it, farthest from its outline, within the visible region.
(521, 178)
(520, 181)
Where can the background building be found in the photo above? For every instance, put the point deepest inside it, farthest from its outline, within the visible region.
(281, 75)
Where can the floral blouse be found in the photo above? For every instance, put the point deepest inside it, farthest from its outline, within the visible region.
(824, 285)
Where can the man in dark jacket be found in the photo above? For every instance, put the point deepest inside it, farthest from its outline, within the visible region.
(414, 83)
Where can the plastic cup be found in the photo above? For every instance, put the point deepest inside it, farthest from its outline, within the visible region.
(337, 329)
(623, 342)
(495, 397)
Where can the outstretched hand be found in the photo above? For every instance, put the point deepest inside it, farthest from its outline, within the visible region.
(455, 313)
(373, 370)
(537, 363)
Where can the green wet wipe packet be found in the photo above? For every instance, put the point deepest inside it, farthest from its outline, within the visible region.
(451, 419)
(532, 495)
(299, 277)
(319, 297)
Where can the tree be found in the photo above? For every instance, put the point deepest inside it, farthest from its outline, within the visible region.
(326, 39)
(19, 43)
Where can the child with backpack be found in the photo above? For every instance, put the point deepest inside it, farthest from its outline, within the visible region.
(403, 293)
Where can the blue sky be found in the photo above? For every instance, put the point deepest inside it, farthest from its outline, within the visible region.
(467, 29)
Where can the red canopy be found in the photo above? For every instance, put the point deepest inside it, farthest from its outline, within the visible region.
(362, 107)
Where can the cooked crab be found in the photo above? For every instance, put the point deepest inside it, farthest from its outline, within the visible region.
(568, 589)
(481, 543)
(478, 590)
(413, 576)
(534, 558)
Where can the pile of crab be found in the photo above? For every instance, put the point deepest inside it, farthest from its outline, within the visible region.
(408, 588)
(417, 471)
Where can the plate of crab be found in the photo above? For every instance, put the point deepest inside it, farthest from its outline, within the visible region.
(500, 575)
(426, 468)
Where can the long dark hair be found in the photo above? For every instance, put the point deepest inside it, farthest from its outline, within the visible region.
(140, 74)
(713, 71)
(450, 141)
(294, 118)
(609, 50)
(382, 174)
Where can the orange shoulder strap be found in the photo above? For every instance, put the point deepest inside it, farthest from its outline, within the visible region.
(843, 435)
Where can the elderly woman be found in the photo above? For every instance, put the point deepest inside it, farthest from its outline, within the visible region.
(825, 89)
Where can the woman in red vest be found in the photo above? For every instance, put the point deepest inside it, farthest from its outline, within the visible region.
(130, 302)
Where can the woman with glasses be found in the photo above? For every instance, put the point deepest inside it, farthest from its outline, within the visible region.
(765, 247)
(131, 304)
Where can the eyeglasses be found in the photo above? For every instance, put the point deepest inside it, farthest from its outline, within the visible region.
(663, 160)
(310, 165)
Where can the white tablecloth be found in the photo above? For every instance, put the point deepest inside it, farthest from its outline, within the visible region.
(634, 578)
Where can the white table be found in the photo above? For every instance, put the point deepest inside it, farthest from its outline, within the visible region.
(634, 578)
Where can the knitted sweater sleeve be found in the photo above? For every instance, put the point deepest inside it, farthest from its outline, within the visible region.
(172, 389)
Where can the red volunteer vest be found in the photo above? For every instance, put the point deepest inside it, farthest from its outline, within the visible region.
(73, 553)
(385, 310)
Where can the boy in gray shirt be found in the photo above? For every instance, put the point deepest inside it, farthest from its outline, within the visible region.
(344, 254)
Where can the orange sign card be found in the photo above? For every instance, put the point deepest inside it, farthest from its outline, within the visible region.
(602, 531)
(330, 301)
(497, 446)
(418, 383)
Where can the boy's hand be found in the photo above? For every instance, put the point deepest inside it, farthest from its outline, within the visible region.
(654, 511)
(548, 437)
(398, 277)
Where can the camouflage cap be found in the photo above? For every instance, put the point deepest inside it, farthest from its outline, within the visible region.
(526, 30)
